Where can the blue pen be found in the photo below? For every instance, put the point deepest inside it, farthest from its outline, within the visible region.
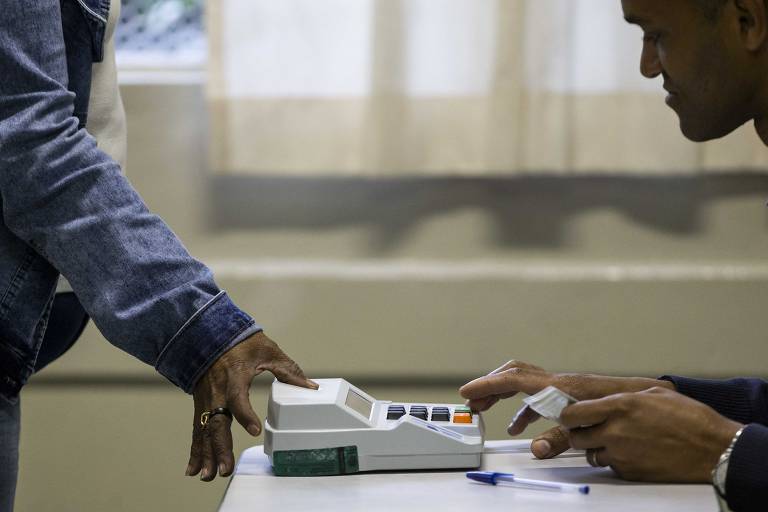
(493, 477)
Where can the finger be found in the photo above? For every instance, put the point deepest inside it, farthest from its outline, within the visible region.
(482, 404)
(241, 408)
(221, 444)
(551, 443)
(522, 419)
(286, 370)
(485, 403)
(589, 412)
(514, 363)
(507, 383)
(208, 471)
(588, 437)
(196, 450)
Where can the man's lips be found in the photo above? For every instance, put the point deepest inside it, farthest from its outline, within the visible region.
(672, 96)
(671, 100)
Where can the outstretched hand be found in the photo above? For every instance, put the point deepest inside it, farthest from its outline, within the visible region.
(226, 384)
(520, 377)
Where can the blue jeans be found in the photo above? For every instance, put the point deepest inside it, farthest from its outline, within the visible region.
(9, 453)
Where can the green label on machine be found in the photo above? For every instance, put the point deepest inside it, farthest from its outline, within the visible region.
(318, 462)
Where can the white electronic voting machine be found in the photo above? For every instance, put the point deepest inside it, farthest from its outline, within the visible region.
(340, 429)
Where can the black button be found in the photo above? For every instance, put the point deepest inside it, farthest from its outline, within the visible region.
(441, 416)
(395, 412)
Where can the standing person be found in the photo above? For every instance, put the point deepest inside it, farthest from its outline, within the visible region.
(67, 209)
(713, 58)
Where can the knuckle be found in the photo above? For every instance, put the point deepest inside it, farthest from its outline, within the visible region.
(626, 402)
(558, 435)
(236, 397)
(221, 451)
(220, 421)
(294, 368)
(569, 382)
(238, 366)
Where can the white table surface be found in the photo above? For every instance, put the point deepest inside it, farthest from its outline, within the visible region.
(253, 487)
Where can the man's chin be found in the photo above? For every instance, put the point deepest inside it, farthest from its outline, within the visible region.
(703, 132)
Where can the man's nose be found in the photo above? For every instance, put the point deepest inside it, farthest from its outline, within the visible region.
(650, 66)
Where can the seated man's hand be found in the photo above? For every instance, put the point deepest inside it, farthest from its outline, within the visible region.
(656, 435)
(518, 377)
(226, 384)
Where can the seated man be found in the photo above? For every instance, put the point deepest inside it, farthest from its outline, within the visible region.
(713, 58)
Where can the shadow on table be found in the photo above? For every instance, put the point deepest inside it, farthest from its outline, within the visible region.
(578, 475)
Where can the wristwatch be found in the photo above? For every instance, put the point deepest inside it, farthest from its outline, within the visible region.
(720, 473)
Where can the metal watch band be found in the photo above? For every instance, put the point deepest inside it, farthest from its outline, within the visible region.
(719, 476)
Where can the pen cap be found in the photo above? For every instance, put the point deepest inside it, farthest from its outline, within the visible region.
(487, 477)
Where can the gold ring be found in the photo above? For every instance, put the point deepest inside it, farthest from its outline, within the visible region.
(206, 416)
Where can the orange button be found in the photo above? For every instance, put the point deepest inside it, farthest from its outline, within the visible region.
(462, 417)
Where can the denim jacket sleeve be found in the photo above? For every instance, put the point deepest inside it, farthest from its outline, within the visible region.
(69, 201)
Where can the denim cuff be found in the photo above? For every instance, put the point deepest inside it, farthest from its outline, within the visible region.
(212, 330)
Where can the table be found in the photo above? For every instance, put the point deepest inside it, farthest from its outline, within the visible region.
(253, 487)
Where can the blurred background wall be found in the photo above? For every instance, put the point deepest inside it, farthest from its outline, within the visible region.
(407, 286)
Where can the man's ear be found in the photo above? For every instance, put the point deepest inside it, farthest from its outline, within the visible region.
(753, 22)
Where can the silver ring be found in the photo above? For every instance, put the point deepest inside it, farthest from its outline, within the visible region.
(592, 457)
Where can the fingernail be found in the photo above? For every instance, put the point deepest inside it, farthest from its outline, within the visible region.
(222, 468)
(254, 430)
(541, 448)
(189, 470)
(204, 474)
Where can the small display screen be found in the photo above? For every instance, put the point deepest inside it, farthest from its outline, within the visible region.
(358, 403)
